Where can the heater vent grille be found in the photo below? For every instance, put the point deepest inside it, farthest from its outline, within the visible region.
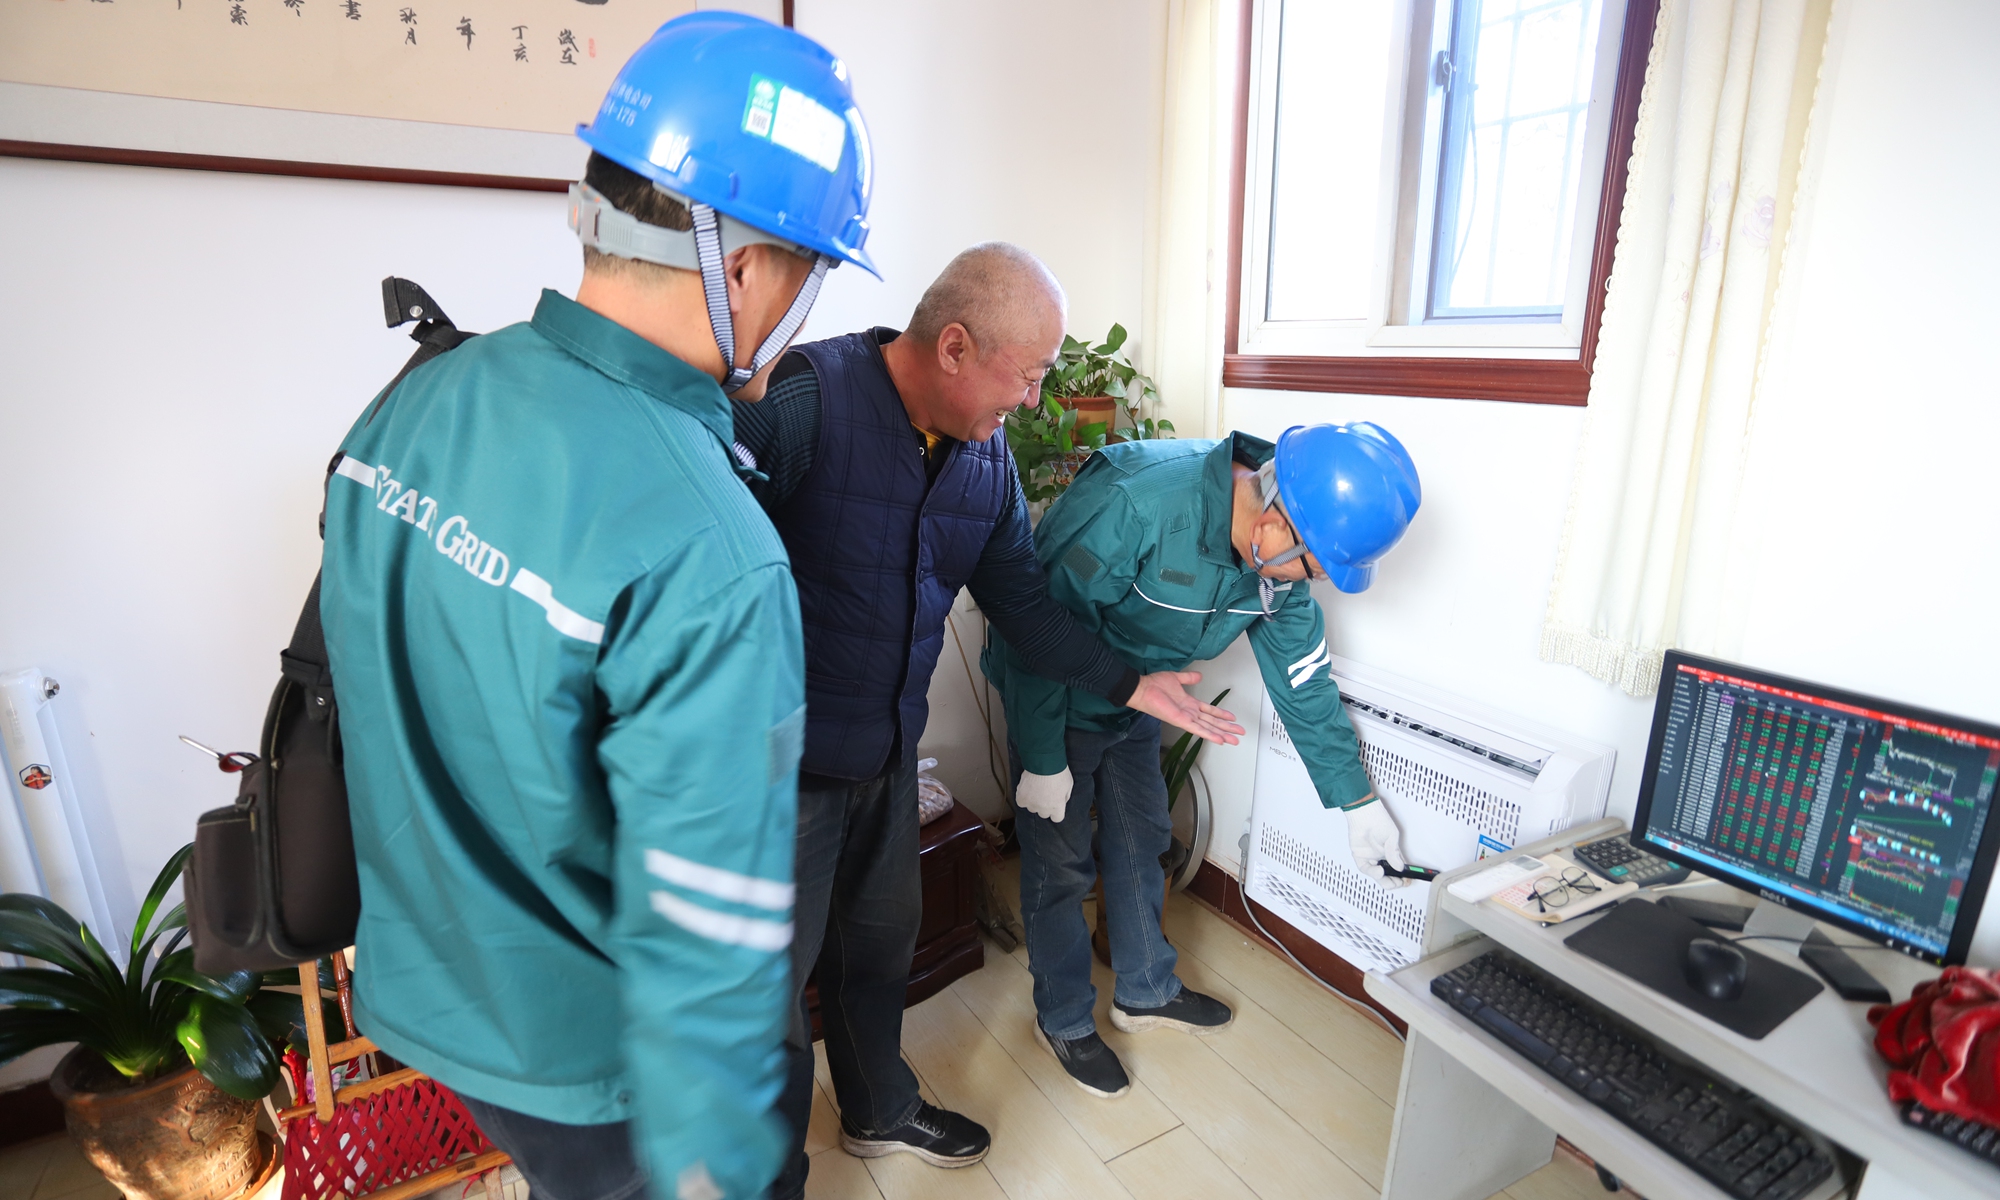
(1348, 884)
(1308, 911)
(1495, 816)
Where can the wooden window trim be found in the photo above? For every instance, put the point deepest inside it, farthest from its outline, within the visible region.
(1526, 380)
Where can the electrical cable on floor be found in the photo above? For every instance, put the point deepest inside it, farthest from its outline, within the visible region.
(1353, 1002)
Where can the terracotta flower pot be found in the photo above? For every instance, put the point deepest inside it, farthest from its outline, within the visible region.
(1092, 410)
(177, 1138)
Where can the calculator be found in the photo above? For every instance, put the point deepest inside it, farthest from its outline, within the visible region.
(1617, 859)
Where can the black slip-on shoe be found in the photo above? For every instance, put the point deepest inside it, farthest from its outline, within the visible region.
(1091, 1064)
(938, 1136)
(1190, 1011)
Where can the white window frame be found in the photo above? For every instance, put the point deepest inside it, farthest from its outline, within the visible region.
(1407, 178)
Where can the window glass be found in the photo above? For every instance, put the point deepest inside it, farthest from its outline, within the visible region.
(1333, 64)
(1517, 77)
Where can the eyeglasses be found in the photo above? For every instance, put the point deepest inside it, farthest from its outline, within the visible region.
(1298, 539)
(1554, 892)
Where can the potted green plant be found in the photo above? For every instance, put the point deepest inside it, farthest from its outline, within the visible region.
(161, 1090)
(1084, 395)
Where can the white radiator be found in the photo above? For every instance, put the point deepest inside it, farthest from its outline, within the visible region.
(45, 843)
(1462, 780)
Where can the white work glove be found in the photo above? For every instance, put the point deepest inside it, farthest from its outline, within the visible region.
(1372, 836)
(1044, 795)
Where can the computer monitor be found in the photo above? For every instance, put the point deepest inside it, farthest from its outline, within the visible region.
(1865, 813)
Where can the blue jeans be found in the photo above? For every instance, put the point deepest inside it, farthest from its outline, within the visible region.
(860, 901)
(1119, 775)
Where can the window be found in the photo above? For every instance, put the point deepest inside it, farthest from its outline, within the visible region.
(1514, 82)
(1425, 206)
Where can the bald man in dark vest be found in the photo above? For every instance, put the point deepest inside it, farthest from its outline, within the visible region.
(891, 490)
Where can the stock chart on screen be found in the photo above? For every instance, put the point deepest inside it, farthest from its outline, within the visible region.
(1872, 815)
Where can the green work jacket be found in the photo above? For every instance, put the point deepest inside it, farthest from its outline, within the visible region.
(566, 650)
(1138, 548)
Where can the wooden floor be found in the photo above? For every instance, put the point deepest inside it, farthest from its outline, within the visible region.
(1293, 1101)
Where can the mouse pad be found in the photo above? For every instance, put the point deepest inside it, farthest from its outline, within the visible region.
(1646, 942)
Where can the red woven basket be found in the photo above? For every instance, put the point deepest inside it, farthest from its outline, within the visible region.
(388, 1138)
(373, 1143)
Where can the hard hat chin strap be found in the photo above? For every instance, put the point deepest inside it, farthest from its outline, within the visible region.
(611, 231)
(715, 288)
(1267, 592)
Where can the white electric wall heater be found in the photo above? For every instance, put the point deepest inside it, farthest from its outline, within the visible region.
(1463, 781)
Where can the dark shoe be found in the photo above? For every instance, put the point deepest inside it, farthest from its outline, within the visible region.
(1090, 1063)
(939, 1137)
(1190, 1011)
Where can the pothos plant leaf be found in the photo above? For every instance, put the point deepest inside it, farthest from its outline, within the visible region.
(1043, 433)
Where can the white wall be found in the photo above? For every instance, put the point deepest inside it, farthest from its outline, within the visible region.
(183, 350)
(177, 374)
(1878, 424)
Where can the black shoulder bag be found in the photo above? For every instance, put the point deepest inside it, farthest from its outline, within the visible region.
(272, 881)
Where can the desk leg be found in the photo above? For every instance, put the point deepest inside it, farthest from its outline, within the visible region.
(1456, 1136)
(1878, 1184)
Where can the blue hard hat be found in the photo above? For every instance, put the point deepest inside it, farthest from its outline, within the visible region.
(1350, 491)
(752, 119)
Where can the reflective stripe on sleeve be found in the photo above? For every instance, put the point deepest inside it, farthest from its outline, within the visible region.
(566, 620)
(1303, 669)
(721, 884)
(753, 933)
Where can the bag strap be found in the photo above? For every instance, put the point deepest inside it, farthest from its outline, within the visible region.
(305, 660)
(403, 302)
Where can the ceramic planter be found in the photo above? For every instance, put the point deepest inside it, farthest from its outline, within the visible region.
(177, 1138)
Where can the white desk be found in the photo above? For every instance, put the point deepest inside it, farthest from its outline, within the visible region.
(1472, 1116)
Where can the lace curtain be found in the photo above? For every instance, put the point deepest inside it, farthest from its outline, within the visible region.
(1656, 549)
(1186, 256)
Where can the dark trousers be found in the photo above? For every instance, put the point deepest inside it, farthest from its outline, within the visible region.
(565, 1162)
(860, 900)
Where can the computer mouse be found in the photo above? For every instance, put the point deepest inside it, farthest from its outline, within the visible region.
(1715, 969)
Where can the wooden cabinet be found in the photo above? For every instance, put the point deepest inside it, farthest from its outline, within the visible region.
(948, 945)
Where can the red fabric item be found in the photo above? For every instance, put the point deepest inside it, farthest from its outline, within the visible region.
(377, 1141)
(1943, 1044)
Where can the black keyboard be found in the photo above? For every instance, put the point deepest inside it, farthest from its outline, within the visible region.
(1983, 1140)
(1617, 859)
(1726, 1135)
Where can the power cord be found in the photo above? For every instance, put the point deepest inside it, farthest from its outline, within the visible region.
(983, 702)
(1848, 946)
(1352, 1001)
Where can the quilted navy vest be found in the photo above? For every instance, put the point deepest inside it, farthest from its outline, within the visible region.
(879, 556)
